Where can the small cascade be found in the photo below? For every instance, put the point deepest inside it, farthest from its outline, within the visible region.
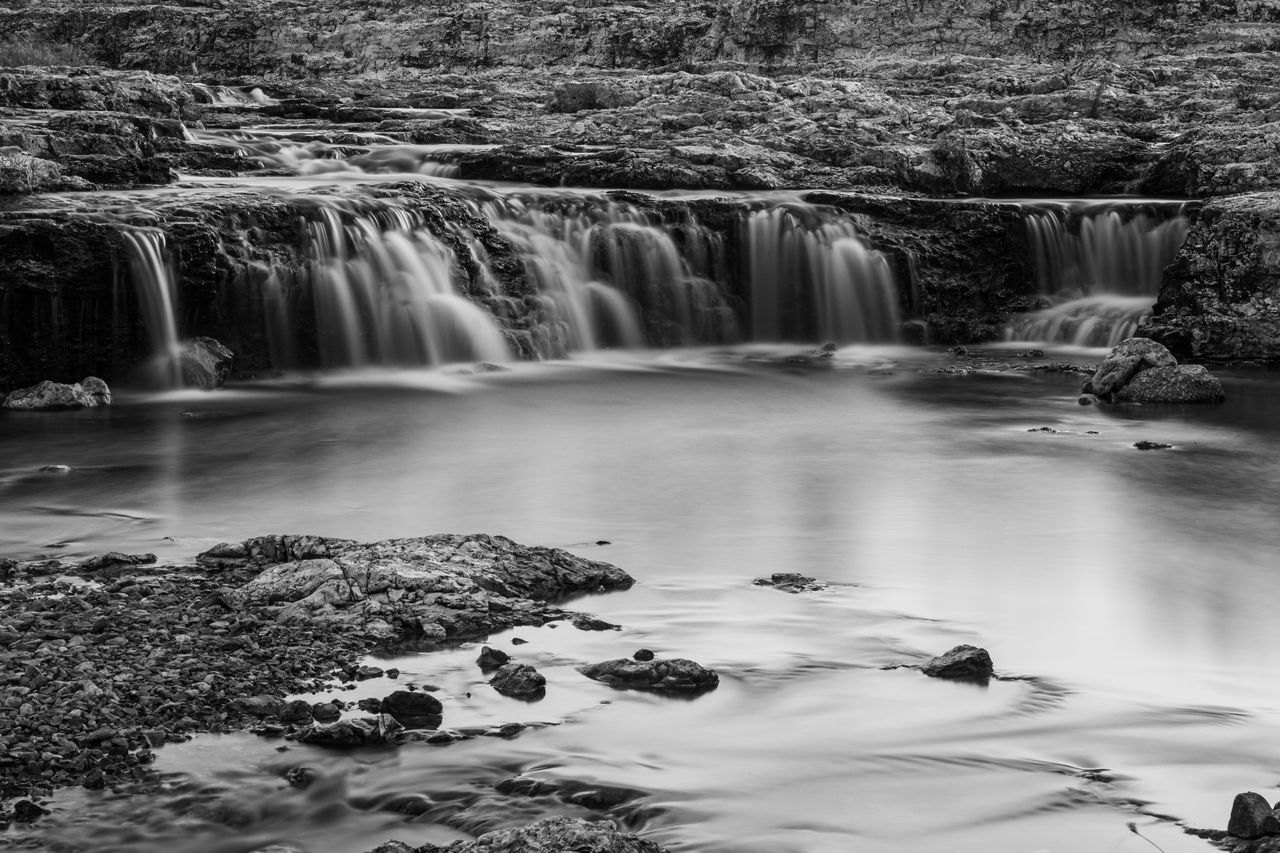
(226, 96)
(384, 293)
(1099, 268)
(317, 153)
(812, 277)
(158, 296)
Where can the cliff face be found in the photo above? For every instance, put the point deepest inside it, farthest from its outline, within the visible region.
(288, 38)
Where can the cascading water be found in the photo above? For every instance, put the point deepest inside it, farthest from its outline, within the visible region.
(1101, 276)
(159, 299)
(812, 277)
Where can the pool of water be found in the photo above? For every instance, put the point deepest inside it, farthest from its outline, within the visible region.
(1127, 595)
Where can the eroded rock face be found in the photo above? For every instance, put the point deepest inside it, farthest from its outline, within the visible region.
(86, 394)
(673, 675)
(445, 586)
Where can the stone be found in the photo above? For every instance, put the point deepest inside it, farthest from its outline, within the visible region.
(962, 662)
(643, 655)
(1251, 816)
(491, 658)
(1185, 383)
(362, 731)
(258, 706)
(57, 395)
(364, 673)
(557, 834)
(413, 709)
(113, 559)
(297, 711)
(518, 680)
(325, 712)
(1151, 445)
(204, 363)
(676, 675)
(791, 582)
(1125, 361)
(26, 811)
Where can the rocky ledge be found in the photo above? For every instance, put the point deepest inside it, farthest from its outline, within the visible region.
(103, 661)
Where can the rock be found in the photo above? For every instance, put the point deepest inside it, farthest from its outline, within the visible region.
(364, 673)
(1151, 445)
(1252, 817)
(362, 731)
(25, 811)
(556, 834)
(673, 675)
(586, 622)
(491, 658)
(643, 655)
(1125, 361)
(56, 395)
(258, 706)
(325, 712)
(297, 711)
(962, 662)
(55, 469)
(791, 582)
(519, 680)
(413, 710)
(204, 363)
(1185, 383)
(1089, 400)
(113, 559)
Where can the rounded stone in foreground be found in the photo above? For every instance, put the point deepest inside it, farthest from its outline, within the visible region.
(1251, 817)
(962, 662)
(519, 680)
(413, 710)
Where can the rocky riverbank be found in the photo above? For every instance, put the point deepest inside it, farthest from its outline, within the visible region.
(107, 660)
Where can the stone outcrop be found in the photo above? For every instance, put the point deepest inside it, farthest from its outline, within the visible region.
(88, 393)
(1140, 370)
(435, 587)
(1221, 296)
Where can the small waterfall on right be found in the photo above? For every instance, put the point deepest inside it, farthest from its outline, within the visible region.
(1099, 269)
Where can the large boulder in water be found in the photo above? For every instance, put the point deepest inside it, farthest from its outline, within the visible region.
(85, 394)
(413, 709)
(675, 675)
(519, 680)
(962, 663)
(204, 362)
(1184, 383)
(1140, 370)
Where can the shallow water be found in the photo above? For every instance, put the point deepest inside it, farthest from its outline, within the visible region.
(1128, 595)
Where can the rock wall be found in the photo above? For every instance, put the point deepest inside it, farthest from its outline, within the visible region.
(1221, 296)
(296, 39)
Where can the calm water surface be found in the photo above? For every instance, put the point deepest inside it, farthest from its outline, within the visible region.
(1131, 595)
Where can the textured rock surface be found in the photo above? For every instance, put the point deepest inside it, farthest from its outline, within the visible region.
(519, 680)
(553, 834)
(86, 394)
(1252, 817)
(1186, 383)
(1221, 295)
(673, 675)
(445, 586)
(962, 662)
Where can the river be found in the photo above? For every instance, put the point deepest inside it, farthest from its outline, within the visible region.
(1126, 597)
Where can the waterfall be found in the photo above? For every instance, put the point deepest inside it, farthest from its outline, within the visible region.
(1099, 270)
(384, 293)
(811, 277)
(158, 297)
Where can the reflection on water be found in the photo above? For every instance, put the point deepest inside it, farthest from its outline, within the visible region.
(1129, 593)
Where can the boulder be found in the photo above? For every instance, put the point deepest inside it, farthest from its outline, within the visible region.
(258, 706)
(204, 362)
(1125, 361)
(491, 658)
(962, 662)
(674, 675)
(86, 394)
(1252, 817)
(519, 680)
(1185, 383)
(414, 710)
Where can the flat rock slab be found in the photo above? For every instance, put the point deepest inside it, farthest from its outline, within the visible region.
(433, 587)
(674, 675)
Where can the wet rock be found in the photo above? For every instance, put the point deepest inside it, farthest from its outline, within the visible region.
(673, 675)
(1089, 400)
(364, 673)
(556, 834)
(962, 662)
(1125, 361)
(413, 709)
(55, 469)
(362, 731)
(519, 680)
(25, 811)
(491, 658)
(1185, 383)
(204, 363)
(325, 712)
(1252, 817)
(1151, 445)
(88, 393)
(114, 559)
(297, 711)
(258, 706)
(791, 582)
(586, 622)
(643, 655)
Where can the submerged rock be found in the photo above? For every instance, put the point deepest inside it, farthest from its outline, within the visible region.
(554, 834)
(87, 393)
(673, 675)
(962, 662)
(519, 680)
(1151, 445)
(791, 582)
(491, 658)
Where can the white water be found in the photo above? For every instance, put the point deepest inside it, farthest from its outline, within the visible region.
(158, 297)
